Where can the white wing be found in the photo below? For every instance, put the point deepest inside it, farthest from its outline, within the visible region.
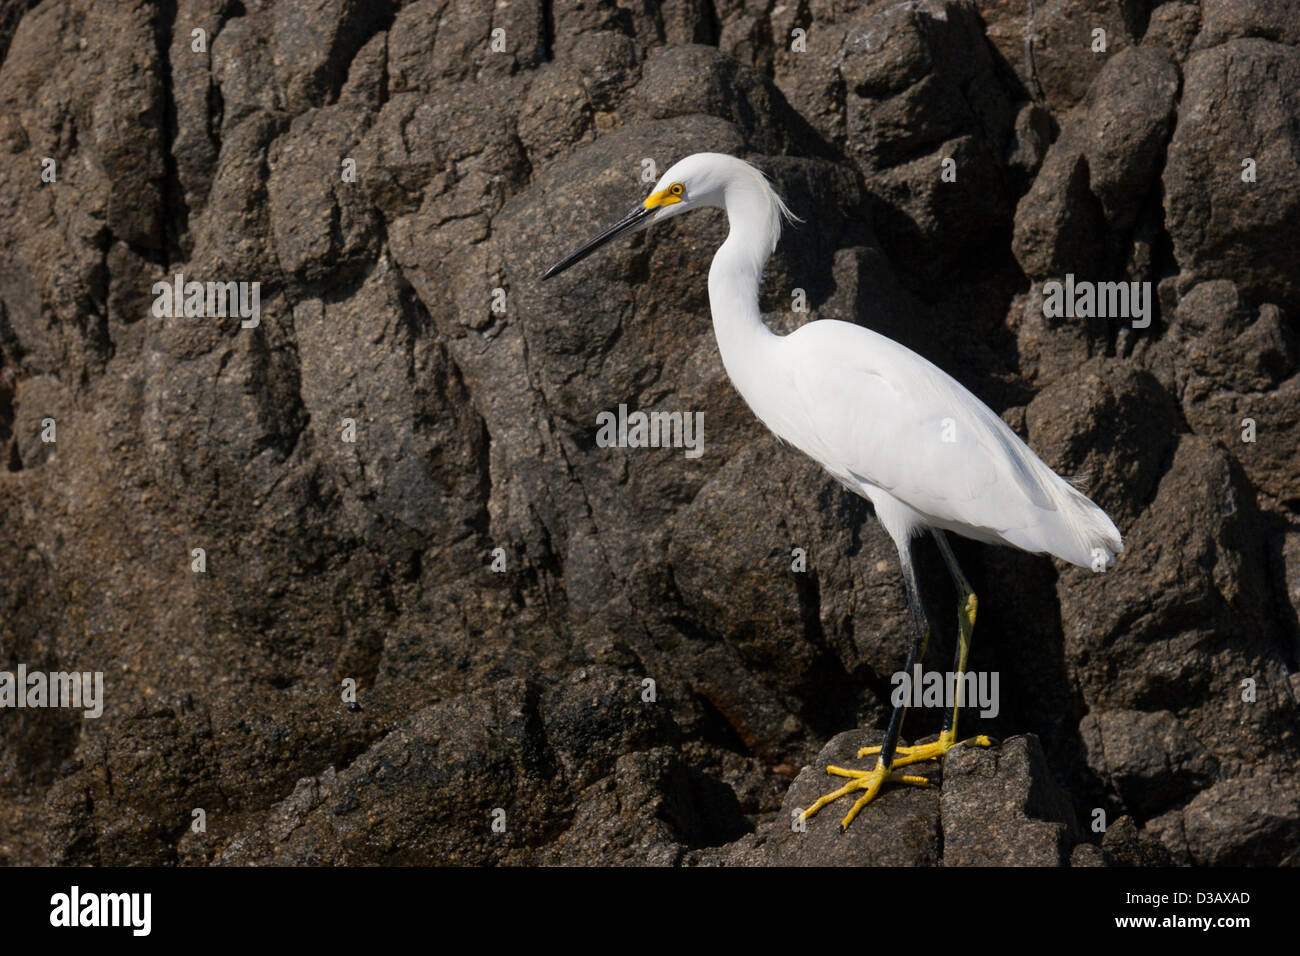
(877, 413)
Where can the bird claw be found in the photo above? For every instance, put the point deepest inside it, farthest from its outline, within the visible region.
(869, 780)
(874, 779)
(931, 751)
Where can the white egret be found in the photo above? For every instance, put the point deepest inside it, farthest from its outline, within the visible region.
(886, 423)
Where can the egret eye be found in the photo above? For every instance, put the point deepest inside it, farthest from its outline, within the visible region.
(675, 189)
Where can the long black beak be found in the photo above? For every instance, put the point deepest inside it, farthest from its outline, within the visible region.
(628, 223)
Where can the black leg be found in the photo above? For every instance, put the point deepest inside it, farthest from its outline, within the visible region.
(915, 650)
(870, 781)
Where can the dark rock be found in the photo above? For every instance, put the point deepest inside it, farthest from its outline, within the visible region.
(1110, 422)
(569, 102)
(1064, 56)
(1033, 136)
(1248, 821)
(1174, 26)
(1001, 807)
(1097, 175)
(1238, 102)
(922, 91)
(642, 678)
(1059, 225)
(680, 81)
(1206, 616)
(1087, 854)
(1125, 845)
(431, 790)
(243, 69)
(1234, 371)
(315, 42)
(1051, 348)
(1149, 760)
(1223, 20)
(1130, 112)
(322, 227)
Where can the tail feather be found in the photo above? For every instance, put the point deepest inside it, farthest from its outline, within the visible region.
(1093, 541)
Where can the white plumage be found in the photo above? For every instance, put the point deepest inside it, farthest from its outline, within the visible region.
(888, 424)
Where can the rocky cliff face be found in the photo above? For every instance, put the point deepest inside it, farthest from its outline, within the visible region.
(395, 177)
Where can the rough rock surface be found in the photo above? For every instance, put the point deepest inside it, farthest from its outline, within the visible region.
(644, 677)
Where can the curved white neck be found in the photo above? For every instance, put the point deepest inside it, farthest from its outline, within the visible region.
(734, 280)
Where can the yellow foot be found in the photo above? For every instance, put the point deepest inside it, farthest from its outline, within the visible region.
(872, 780)
(869, 780)
(931, 751)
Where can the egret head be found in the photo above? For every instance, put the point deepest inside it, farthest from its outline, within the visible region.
(703, 179)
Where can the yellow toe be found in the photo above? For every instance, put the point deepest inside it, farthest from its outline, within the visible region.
(871, 781)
